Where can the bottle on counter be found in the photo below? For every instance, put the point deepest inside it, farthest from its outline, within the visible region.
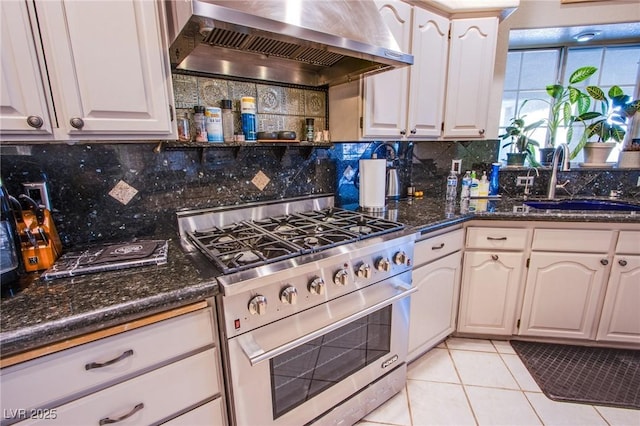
(465, 192)
(483, 185)
(309, 129)
(452, 186)
(199, 124)
(227, 119)
(494, 185)
(475, 183)
(213, 119)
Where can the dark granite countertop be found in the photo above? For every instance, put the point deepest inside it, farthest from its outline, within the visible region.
(45, 312)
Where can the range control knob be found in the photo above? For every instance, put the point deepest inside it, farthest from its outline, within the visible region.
(258, 305)
(316, 286)
(364, 270)
(400, 258)
(383, 264)
(341, 277)
(289, 295)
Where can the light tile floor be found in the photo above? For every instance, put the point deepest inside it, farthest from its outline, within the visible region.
(483, 382)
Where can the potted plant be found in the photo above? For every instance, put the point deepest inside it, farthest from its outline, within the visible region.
(630, 156)
(522, 146)
(563, 102)
(606, 124)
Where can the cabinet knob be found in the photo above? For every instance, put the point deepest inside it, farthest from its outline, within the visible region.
(77, 122)
(35, 121)
(494, 257)
(414, 131)
(605, 262)
(403, 132)
(481, 131)
(622, 262)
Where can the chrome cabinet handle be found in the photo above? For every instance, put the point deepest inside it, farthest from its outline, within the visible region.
(622, 262)
(494, 257)
(497, 238)
(77, 122)
(35, 121)
(107, 420)
(93, 365)
(605, 262)
(438, 247)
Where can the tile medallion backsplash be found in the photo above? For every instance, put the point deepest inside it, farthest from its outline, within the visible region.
(278, 107)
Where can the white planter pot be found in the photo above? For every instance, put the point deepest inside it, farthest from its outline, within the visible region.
(629, 160)
(597, 152)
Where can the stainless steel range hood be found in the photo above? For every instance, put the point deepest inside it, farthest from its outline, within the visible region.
(306, 42)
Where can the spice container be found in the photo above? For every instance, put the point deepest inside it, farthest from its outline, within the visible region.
(227, 120)
(184, 132)
(309, 130)
(213, 116)
(199, 124)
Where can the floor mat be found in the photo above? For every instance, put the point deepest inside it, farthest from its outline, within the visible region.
(599, 376)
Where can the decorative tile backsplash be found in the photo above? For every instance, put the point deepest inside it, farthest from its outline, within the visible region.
(279, 107)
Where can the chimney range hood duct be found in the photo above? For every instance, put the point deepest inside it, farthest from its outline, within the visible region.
(306, 42)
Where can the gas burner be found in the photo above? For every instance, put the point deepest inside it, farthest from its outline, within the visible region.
(312, 241)
(243, 257)
(361, 229)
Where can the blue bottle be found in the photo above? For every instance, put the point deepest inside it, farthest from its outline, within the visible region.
(494, 182)
(248, 116)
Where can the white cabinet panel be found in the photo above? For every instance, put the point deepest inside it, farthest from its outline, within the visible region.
(489, 291)
(620, 319)
(209, 414)
(628, 242)
(22, 94)
(563, 292)
(435, 247)
(434, 305)
(471, 63)
(572, 240)
(497, 238)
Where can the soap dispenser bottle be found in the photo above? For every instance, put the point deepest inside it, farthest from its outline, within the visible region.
(483, 186)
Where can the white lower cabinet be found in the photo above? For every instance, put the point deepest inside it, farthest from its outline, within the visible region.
(489, 291)
(562, 295)
(620, 319)
(434, 305)
(146, 371)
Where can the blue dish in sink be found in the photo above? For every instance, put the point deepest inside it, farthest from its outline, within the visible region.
(609, 205)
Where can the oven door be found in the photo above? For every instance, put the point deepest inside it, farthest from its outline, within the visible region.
(295, 369)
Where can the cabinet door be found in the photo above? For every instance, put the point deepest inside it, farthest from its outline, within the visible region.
(430, 49)
(562, 294)
(108, 69)
(434, 305)
(22, 93)
(489, 292)
(385, 94)
(470, 76)
(620, 319)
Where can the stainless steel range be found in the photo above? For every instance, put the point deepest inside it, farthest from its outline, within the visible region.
(313, 310)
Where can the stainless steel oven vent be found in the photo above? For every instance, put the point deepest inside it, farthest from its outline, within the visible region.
(306, 42)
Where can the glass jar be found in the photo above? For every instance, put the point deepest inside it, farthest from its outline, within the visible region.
(184, 131)
(227, 120)
(199, 124)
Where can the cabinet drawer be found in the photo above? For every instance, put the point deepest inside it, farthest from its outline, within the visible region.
(435, 247)
(572, 240)
(62, 375)
(209, 414)
(147, 398)
(497, 238)
(628, 242)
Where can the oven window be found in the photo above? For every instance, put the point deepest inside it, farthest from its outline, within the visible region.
(301, 373)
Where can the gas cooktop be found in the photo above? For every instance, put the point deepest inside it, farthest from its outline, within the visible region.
(250, 243)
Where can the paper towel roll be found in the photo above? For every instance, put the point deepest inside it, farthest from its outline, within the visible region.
(372, 184)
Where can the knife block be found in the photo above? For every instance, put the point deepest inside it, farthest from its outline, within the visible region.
(43, 254)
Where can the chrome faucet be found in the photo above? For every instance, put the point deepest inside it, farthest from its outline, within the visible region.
(561, 149)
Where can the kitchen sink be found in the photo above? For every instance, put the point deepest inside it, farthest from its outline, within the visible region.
(583, 204)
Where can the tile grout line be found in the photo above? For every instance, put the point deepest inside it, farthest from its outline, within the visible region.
(464, 390)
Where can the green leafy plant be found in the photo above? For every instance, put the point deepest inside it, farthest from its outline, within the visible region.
(520, 134)
(564, 100)
(615, 109)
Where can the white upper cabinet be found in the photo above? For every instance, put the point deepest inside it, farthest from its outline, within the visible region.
(107, 68)
(444, 94)
(385, 94)
(471, 65)
(23, 104)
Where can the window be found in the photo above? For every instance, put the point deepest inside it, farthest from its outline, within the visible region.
(529, 71)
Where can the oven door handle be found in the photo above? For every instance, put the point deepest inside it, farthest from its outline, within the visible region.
(256, 354)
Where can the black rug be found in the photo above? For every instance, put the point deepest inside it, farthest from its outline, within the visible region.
(599, 376)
